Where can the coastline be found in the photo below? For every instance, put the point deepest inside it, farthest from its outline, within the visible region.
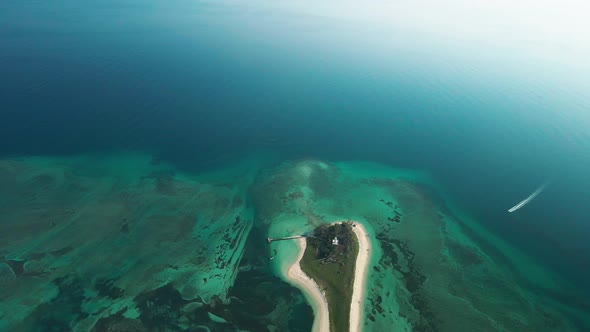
(321, 322)
(360, 277)
(313, 293)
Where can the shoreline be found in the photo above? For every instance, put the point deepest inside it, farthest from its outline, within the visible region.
(311, 290)
(360, 277)
(313, 293)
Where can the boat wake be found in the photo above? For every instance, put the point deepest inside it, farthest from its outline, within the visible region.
(530, 198)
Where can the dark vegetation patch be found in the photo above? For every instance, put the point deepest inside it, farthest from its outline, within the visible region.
(237, 224)
(413, 280)
(106, 287)
(396, 216)
(295, 195)
(161, 307)
(36, 256)
(332, 267)
(16, 265)
(64, 310)
(118, 323)
(255, 297)
(62, 251)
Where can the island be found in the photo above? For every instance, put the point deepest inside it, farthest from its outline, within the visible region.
(331, 270)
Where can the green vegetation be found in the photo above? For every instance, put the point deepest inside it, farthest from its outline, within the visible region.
(332, 268)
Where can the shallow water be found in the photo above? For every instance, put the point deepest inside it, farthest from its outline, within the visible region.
(125, 240)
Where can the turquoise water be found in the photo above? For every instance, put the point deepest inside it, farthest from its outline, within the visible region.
(124, 241)
(133, 135)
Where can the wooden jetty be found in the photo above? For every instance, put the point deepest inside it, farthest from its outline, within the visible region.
(270, 239)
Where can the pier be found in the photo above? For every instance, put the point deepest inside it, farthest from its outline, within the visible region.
(270, 239)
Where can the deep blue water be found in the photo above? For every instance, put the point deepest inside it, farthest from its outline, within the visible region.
(199, 83)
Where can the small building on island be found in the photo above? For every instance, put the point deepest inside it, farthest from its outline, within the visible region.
(335, 241)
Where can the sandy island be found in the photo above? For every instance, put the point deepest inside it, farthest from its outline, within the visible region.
(313, 293)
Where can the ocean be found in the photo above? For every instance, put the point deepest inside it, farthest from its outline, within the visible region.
(104, 96)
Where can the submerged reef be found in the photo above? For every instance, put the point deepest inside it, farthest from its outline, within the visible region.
(127, 243)
(119, 243)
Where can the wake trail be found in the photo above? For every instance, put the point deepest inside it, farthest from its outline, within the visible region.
(530, 198)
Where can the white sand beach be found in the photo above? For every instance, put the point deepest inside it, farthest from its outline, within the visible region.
(360, 277)
(311, 290)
